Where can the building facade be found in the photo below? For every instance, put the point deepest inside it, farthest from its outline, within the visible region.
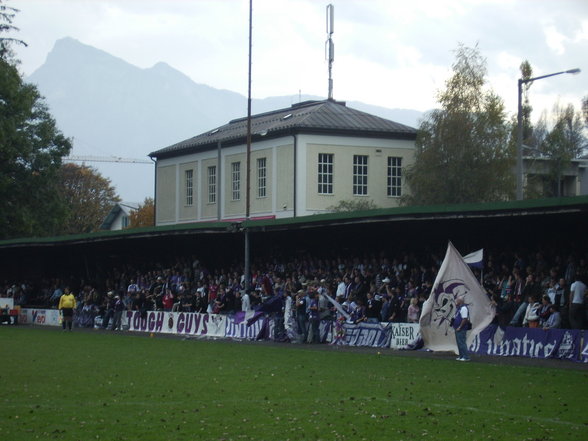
(303, 160)
(539, 178)
(119, 216)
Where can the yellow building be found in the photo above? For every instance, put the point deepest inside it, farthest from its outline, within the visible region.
(303, 160)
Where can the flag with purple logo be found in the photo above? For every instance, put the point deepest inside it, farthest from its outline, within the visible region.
(453, 279)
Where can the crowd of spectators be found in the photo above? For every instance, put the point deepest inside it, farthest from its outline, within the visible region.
(535, 289)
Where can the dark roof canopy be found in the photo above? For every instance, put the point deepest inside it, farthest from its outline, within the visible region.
(310, 117)
(557, 223)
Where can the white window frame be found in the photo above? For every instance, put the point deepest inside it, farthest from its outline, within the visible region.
(325, 173)
(236, 181)
(189, 187)
(212, 184)
(360, 175)
(261, 177)
(394, 177)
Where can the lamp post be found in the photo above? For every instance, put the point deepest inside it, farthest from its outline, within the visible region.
(519, 167)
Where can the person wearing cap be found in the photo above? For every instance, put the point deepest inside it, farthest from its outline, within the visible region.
(67, 304)
(461, 324)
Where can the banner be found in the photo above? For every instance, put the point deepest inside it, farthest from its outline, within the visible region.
(565, 344)
(584, 353)
(43, 317)
(529, 342)
(365, 334)
(404, 335)
(454, 279)
(183, 323)
(236, 326)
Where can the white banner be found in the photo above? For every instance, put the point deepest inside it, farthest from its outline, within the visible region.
(454, 279)
(183, 323)
(404, 335)
(44, 317)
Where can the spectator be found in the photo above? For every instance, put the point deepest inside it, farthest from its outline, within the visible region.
(554, 319)
(577, 295)
(301, 315)
(545, 310)
(531, 318)
(109, 303)
(414, 311)
(119, 307)
(373, 309)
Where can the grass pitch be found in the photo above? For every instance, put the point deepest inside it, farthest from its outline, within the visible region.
(123, 386)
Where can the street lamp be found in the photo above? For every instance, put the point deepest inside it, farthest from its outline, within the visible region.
(519, 170)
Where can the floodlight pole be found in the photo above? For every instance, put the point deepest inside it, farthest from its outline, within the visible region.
(247, 269)
(519, 164)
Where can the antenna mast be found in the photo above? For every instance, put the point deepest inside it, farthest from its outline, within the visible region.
(329, 46)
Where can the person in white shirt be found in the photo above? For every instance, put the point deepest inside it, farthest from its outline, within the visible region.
(245, 302)
(577, 294)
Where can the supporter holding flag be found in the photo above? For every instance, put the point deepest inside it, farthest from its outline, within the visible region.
(453, 279)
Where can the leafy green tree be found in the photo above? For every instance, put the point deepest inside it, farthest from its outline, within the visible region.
(462, 149)
(7, 15)
(89, 197)
(31, 149)
(144, 216)
(564, 142)
(353, 205)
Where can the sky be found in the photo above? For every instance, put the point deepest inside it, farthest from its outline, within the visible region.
(391, 53)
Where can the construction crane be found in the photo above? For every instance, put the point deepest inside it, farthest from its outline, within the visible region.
(75, 158)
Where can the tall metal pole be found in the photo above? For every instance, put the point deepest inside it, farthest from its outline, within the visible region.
(330, 46)
(247, 269)
(519, 169)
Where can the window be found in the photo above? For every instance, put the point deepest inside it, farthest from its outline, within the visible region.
(236, 180)
(261, 177)
(189, 180)
(212, 184)
(325, 173)
(124, 222)
(360, 175)
(394, 176)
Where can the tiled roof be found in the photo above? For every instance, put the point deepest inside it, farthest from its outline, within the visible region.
(323, 117)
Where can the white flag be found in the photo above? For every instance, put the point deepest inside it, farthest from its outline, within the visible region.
(475, 259)
(454, 279)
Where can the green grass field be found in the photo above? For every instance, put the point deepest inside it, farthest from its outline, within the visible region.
(106, 386)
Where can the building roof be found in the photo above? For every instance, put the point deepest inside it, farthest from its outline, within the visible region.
(327, 117)
(506, 210)
(116, 210)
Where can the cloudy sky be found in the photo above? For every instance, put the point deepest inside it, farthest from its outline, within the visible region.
(391, 53)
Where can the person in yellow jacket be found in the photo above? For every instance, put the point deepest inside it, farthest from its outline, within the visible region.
(67, 303)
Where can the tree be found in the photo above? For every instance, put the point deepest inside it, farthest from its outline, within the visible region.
(564, 142)
(144, 216)
(353, 205)
(89, 197)
(31, 149)
(462, 150)
(7, 15)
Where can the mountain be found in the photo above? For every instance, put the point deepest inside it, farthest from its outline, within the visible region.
(112, 108)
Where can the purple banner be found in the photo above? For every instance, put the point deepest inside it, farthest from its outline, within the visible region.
(364, 334)
(236, 326)
(528, 342)
(584, 353)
